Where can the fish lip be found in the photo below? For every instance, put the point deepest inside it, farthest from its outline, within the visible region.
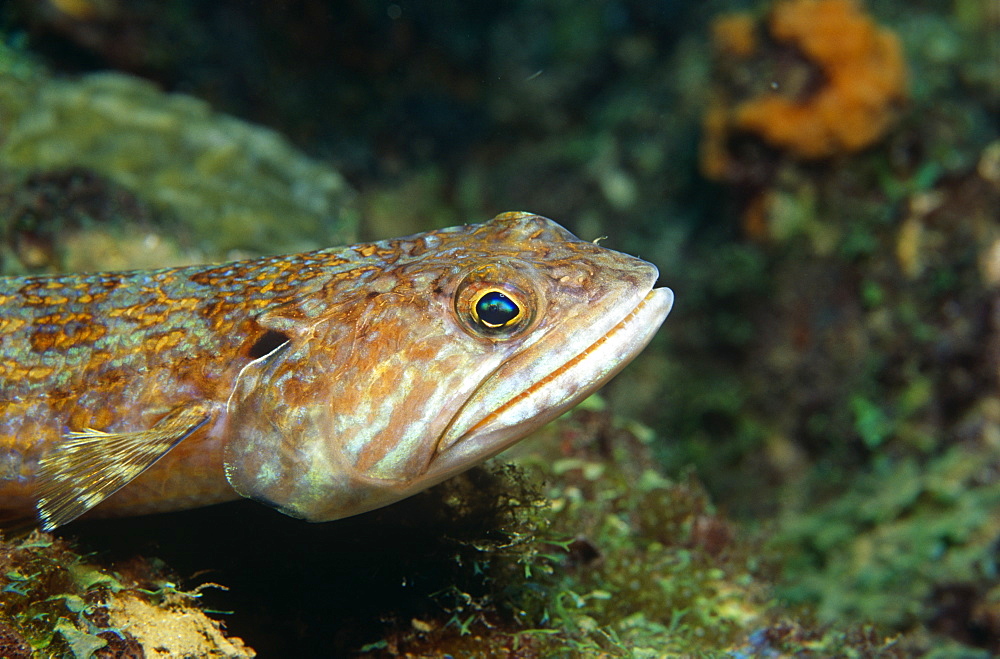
(654, 306)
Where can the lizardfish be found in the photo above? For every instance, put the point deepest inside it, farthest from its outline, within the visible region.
(324, 384)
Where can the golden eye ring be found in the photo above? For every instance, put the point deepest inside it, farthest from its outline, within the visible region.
(493, 309)
(496, 302)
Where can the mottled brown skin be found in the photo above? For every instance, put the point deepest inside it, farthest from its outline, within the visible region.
(119, 351)
(289, 358)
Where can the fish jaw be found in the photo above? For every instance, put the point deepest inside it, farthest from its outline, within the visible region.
(494, 420)
(377, 397)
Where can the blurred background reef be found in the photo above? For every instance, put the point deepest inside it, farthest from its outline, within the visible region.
(805, 462)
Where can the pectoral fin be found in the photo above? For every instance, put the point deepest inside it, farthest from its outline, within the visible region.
(91, 465)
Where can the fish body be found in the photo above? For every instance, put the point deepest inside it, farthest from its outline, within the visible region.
(324, 384)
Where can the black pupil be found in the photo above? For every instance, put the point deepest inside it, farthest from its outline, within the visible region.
(496, 309)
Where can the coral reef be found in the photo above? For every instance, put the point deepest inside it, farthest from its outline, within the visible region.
(840, 97)
(55, 604)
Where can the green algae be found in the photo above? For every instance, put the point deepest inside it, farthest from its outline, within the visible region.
(230, 184)
(869, 393)
(617, 561)
(861, 408)
(56, 603)
(899, 533)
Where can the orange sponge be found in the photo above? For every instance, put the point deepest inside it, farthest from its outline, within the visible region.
(735, 34)
(863, 80)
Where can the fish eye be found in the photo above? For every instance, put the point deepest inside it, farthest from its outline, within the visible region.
(494, 309)
(496, 302)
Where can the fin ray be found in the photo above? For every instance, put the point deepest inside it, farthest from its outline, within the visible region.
(91, 465)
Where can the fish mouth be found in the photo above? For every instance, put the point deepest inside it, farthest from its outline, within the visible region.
(488, 423)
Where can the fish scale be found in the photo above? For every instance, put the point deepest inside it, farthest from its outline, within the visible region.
(324, 384)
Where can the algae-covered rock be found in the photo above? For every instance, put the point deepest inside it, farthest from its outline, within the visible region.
(74, 220)
(616, 561)
(168, 631)
(54, 604)
(232, 185)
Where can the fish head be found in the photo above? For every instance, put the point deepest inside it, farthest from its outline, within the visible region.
(439, 352)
